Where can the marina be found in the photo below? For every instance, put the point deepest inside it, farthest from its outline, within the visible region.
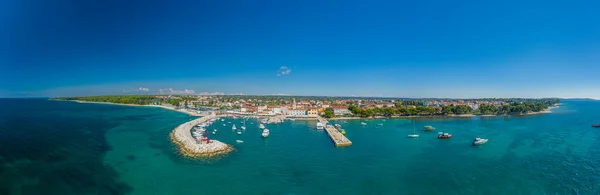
(193, 144)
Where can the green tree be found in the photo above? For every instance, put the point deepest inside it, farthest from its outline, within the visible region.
(329, 113)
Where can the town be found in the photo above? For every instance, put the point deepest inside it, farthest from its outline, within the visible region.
(332, 107)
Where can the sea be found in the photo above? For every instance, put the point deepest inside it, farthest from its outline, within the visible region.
(62, 147)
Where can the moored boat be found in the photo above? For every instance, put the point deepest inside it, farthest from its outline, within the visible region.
(363, 123)
(479, 141)
(266, 133)
(428, 128)
(343, 131)
(443, 135)
(261, 126)
(243, 127)
(233, 127)
(596, 125)
(239, 132)
(320, 126)
(239, 141)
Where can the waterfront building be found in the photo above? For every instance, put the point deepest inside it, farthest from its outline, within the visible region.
(313, 113)
(341, 111)
(299, 113)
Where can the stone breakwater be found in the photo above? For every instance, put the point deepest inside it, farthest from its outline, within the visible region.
(189, 147)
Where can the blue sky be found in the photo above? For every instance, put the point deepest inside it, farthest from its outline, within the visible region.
(365, 48)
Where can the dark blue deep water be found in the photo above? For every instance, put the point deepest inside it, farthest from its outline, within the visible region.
(56, 147)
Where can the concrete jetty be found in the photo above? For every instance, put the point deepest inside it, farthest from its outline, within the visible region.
(188, 146)
(336, 136)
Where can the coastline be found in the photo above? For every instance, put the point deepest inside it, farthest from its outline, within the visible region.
(182, 138)
(156, 106)
(547, 111)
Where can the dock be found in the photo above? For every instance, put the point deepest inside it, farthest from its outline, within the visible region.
(336, 136)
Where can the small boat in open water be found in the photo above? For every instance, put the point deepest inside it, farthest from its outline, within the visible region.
(479, 141)
(428, 128)
(414, 134)
(363, 123)
(442, 135)
(265, 133)
(239, 132)
(596, 125)
(239, 141)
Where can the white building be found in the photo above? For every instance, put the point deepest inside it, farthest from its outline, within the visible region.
(299, 113)
(286, 111)
(341, 111)
(276, 111)
(260, 109)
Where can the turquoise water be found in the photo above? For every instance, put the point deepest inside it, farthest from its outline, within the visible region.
(104, 149)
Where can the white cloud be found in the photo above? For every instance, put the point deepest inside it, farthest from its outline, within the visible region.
(143, 89)
(283, 70)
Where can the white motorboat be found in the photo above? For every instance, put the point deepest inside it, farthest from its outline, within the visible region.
(363, 123)
(239, 132)
(243, 127)
(261, 126)
(479, 141)
(224, 125)
(233, 127)
(320, 126)
(214, 132)
(222, 120)
(229, 122)
(239, 141)
(292, 119)
(265, 133)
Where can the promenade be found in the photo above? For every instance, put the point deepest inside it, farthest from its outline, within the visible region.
(336, 136)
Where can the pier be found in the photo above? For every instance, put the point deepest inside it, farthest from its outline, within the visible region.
(336, 136)
(188, 146)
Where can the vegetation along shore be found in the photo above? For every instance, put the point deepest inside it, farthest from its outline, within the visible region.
(333, 107)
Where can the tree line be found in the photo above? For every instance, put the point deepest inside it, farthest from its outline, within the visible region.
(131, 99)
(415, 108)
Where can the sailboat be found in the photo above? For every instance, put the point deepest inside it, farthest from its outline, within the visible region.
(414, 134)
(233, 127)
(244, 124)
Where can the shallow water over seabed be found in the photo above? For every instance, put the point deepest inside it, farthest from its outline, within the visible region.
(53, 147)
